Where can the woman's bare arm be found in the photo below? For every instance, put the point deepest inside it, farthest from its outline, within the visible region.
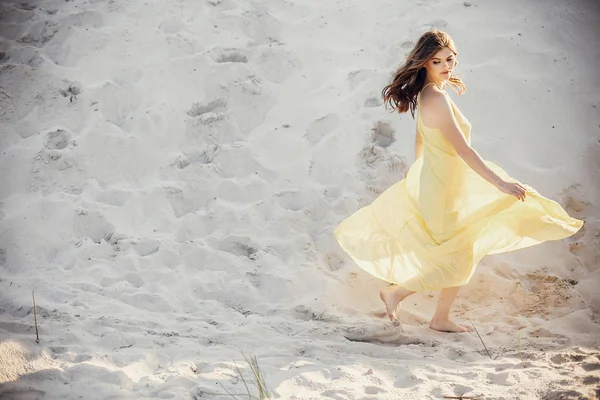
(444, 119)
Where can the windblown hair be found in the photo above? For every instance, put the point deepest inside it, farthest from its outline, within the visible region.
(409, 79)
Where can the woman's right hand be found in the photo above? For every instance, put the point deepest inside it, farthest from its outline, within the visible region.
(514, 189)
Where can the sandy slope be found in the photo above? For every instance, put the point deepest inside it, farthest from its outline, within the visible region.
(179, 209)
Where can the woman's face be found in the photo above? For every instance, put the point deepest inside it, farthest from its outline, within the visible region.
(440, 66)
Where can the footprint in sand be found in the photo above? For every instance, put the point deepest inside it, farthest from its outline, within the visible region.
(205, 156)
(259, 25)
(373, 102)
(178, 201)
(295, 200)
(569, 362)
(127, 76)
(61, 41)
(382, 169)
(48, 165)
(307, 313)
(58, 139)
(180, 44)
(275, 63)
(593, 153)
(211, 123)
(437, 24)
(191, 197)
(172, 25)
(382, 134)
(407, 45)
(334, 261)
(228, 55)
(355, 78)
(372, 154)
(585, 244)
(10, 14)
(228, 190)
(8, 110)
(117, 104)
(147, 301)
(548, 295)
(240, 161)
(147, 247)
(21, 393)
(214, 106)
(132, 279)
(322, 127)
(94, 225)
(12, 31)
(336, 394)
(113, 197)
(29, 56)
(239, 245)
(40, 33)
(135, 279)
(85, 19)
(71, 90)
(574, 200)
(374, 390)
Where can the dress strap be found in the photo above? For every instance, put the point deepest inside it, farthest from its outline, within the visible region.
(430, 83)
(419, 94)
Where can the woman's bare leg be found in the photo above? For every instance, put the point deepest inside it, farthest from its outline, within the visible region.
(441, 319)
(391, 297)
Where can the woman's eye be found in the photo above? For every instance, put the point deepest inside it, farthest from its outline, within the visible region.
(436, 62)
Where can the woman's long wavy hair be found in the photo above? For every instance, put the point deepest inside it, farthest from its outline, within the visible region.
(409, 79)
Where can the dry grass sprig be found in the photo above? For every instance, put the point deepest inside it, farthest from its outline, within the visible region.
(519, 348)
(484, 346)
(37, 334)
(263, 392)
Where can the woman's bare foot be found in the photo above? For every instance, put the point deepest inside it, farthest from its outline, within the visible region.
(447, 326)
(391, 297)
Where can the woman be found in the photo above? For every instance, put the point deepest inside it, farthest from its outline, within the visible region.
(429, 231)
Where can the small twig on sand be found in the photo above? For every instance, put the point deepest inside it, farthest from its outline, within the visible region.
(484, 346)
(37, 334)
(461, 397)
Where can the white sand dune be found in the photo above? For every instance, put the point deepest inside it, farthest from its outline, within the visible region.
(172, 172)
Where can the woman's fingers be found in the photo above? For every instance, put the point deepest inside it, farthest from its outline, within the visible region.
(515, 189)
(520, 192)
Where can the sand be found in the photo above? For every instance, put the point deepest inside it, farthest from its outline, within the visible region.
(172, 172)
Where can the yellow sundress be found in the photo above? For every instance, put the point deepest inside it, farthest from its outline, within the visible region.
(429, 230)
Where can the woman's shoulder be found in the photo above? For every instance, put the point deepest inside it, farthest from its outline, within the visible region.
(433, 98)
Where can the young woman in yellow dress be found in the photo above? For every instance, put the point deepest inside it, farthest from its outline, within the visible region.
(429, 231)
